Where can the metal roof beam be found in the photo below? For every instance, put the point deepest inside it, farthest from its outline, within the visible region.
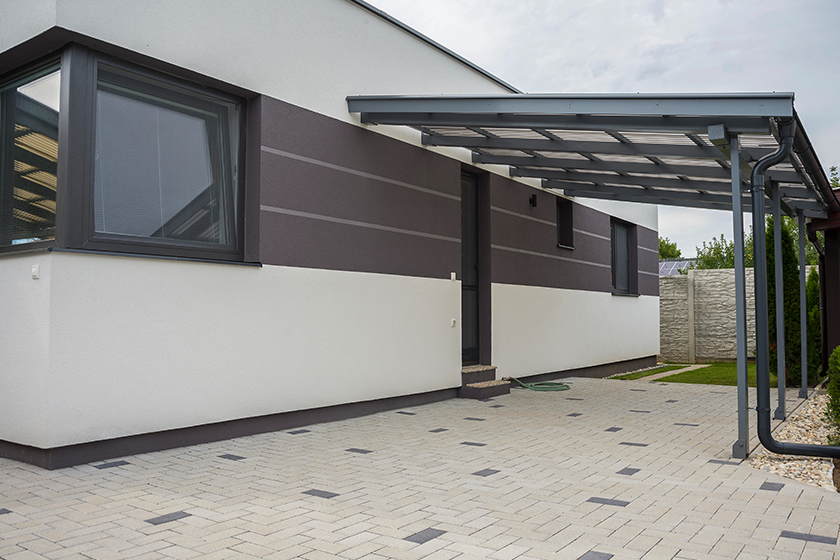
(613, 148)
(745, 125)
(698, 105)
(600, 179)
(627, 167)
(645, 195)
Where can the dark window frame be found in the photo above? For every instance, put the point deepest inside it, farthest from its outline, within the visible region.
(75, 222)
(629, 251)
(565, 223)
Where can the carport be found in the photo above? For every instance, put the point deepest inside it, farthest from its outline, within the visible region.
(712, 151)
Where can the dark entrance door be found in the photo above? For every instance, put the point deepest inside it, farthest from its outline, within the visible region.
(469, 269)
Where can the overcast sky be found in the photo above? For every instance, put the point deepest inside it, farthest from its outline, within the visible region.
(653, 46)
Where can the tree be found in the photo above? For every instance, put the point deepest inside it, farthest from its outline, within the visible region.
(721, 253)
(814, 325)
(790, 290)
(668, 249)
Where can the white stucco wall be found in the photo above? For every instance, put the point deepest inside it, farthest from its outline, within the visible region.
(538, 330)
(105, 346)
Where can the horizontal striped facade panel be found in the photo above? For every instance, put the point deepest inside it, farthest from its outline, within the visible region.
(337, 196)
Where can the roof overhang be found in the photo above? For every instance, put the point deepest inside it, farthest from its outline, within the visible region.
(671, 149)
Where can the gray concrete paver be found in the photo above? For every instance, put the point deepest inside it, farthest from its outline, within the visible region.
(549, 465)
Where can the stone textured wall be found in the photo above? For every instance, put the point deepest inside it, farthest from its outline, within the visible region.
(673, 318)
(713, 333)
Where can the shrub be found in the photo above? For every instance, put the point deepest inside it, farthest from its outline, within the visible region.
(832, 412)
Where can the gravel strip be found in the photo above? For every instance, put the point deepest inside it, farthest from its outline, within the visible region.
(806, 425)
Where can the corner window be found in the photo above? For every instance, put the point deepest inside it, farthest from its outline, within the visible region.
(565, 231)
(145, 163)
(623, 258)
(28, 157)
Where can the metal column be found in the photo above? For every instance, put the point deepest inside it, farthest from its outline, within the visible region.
(779, 414)
(740, 449)
(803, 311)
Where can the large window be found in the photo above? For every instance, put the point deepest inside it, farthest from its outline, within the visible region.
(623, 258)
(28, 156)
(133, 161)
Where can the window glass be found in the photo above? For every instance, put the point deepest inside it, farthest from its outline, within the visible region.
(620, 258)
(28, 157)
(565, 225)
(164, 164)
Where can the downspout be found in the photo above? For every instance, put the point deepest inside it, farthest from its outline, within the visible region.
(787, 129)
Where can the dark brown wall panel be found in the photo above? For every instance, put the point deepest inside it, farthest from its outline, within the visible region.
(337, 196)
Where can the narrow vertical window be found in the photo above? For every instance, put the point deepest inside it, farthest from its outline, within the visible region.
(623, 257)
(565, 231)
(29, 109)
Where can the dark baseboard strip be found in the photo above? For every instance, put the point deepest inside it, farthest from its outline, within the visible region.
(68, 456)
(603, 370)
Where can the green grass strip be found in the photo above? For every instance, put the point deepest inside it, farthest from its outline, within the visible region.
(719, 373)
(647, 372)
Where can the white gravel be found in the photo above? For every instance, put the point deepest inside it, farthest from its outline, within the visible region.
(806, 425)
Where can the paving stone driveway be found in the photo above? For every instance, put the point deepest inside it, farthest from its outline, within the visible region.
(608, 469)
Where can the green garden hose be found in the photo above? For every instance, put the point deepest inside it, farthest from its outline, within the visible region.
(543, 385)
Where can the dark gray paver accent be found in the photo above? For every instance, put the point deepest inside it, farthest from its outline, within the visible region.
(112, 464)
(485, 472)
(425, 535)
(168, 517)
(573, 399)
(632, 444)
(772, 486)
(684, 424)
(639, 390)
(721, 462)
(672, 400)
(608, 501)
(474, 419)
(614, 429)
(808, 537)
(321, 493)
(4, 510)
(357, 450)
(719, 392)
(485, 400)
(438, 430)
(592, 555)
(474, 444)
(406, 413)
(231, 457)
(628, 471)
(497, 406)
(575, 414)
(642, 411)
(296, 432)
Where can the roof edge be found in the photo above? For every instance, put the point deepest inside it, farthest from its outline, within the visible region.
(394, 21)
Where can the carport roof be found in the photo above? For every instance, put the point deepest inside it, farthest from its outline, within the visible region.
(671, 149)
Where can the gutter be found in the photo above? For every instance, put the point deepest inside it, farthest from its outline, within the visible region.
(787, 134)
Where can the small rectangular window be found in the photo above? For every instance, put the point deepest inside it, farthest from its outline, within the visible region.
(565, 224)
(29, 109)
(623, 257)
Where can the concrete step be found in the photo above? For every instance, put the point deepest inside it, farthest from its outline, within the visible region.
(485, 389)
(477, 374)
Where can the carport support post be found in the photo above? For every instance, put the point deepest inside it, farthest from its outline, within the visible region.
(740, 448)
(803, 315)
(779, 414)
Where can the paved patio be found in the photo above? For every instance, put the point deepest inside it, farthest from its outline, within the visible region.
(608, 469)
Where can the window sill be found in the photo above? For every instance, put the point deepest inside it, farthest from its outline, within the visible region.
(569, 247)
(624, 294)
(157, 257)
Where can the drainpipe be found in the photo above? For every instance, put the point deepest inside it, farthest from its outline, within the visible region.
(787, 129)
